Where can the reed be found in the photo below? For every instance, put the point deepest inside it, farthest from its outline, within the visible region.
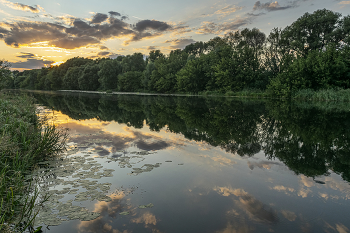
(25, 140)
(334, 95)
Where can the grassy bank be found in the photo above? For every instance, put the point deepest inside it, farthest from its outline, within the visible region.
(337, 95)
(25, 140)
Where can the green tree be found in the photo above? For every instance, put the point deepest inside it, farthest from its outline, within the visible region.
(154, 55)
(133, 62)
(167, 70)
(315, 31)
(196, 49)
(318, 70)
(278, 56)
(54, 75)
(196, 74)
(146, 76)
(40, 80)
(88, 80)
(130, 81)
(109, 71)
(71, 78)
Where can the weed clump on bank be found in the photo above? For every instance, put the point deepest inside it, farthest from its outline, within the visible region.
(25, 140)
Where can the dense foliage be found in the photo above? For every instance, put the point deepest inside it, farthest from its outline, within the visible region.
(311, 53)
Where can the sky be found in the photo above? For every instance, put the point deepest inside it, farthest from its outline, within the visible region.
(41, 33)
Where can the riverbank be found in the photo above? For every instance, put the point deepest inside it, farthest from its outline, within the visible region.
(25, 140)
(245, 93)
(337, 95)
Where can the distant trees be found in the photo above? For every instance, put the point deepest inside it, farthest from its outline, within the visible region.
(313, 52)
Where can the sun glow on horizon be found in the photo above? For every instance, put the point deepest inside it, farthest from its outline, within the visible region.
(57, 63)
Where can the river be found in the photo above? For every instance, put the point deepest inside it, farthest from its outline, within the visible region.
(195, 164)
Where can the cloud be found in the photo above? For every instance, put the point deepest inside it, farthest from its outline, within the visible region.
(151, 24)
(117, 142)
(66, 19)
(22, 7)
(207, 28)
(107, 54)
(114, 13)
(256, 15)
(262, 164)
(104, 53)
(26, 55)
(124, 17)
(180, 28)
(108, 210)
(227, 10)
(74, 42)
(284, 189)
(214, 28)
(270, 6)
(223, 12)
(146, 218)
(73, 33)
(223, 160)
(146, 29)
(150, 146)
(102, 151)
(102, 47)
(32, 63)
(291, 216)
(22, 33)
(344, 2)
(99, 18)
(253, 207)
(152, 47)
(180, 43)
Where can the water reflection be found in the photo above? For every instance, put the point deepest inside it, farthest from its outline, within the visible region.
(204, 165)
(308, 140)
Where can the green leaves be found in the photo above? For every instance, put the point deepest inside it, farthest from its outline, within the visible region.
(315, 31)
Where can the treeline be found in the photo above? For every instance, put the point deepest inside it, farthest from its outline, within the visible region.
(308, 140)
(311, 53)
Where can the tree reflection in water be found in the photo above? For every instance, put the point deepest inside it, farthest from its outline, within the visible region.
(310, 140)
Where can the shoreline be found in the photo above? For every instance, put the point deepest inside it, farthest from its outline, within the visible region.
(159, 94)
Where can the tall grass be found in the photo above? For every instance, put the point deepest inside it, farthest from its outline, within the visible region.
(25, 140)
(337, 95)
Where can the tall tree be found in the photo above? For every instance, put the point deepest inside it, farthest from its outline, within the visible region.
(88, 80)
(109, 71)
(315, 31)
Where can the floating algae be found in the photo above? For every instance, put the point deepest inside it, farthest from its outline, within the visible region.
(145, 168)
(150, 205)
(79, 175)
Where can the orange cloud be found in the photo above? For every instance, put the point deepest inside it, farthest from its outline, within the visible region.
(22, 7)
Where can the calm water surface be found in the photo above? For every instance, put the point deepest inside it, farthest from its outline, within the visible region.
(190, 164)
